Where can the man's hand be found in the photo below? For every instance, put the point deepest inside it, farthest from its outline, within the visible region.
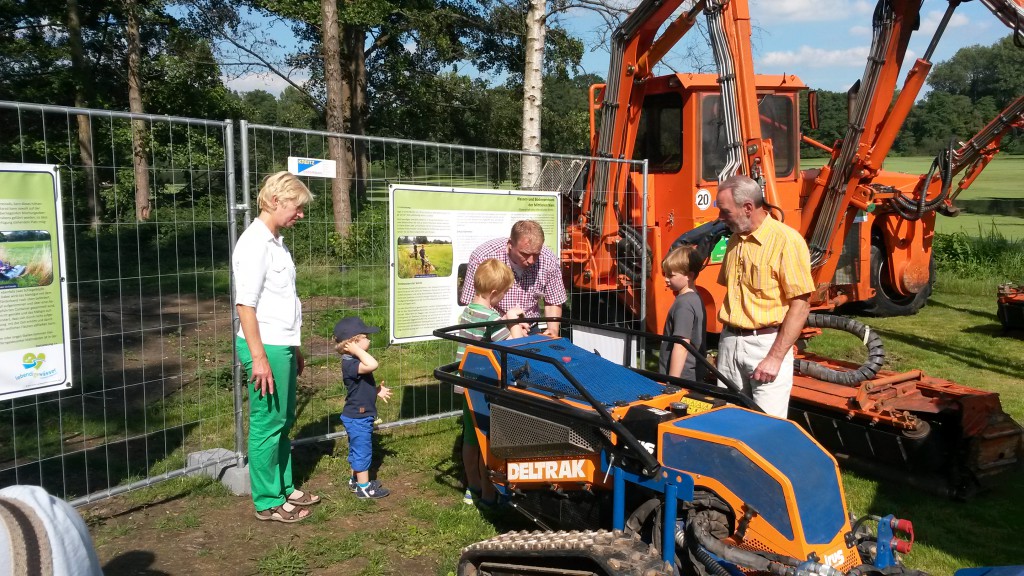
(384, 393)
(262, 376)
(552, 328)
(767, 370)
(301, 361)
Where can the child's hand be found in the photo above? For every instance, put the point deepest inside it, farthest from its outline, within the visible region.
(349, 348)
(384, 393)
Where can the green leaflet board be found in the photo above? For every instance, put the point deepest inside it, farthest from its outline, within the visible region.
(35, 347)
(433, 231)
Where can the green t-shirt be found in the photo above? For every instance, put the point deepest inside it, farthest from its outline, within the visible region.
(474, 314)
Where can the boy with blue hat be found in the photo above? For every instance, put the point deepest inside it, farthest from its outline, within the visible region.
(357, 366)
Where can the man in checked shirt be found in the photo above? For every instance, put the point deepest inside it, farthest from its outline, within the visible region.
(536, 271)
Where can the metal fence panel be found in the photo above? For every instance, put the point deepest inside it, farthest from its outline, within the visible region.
(149, 307)
(151, 316)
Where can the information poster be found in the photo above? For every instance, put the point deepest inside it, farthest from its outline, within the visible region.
(433, 231)
(35, 348)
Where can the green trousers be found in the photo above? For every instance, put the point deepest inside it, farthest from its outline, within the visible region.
(270, 419)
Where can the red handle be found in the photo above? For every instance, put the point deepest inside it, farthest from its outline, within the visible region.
(905, 526)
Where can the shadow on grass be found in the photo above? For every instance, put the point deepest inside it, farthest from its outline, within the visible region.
(983, 531)
(427, 399)
(966, 356)
(989, 317)
(101, 467)
(134, 563)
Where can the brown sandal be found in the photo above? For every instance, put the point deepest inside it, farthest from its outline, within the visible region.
(306, 499)
(279, 514)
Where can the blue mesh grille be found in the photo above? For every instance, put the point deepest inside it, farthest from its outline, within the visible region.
(607, 381)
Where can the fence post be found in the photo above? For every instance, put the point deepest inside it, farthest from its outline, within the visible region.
(233, 208)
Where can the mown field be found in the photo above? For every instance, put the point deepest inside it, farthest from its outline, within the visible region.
(995, 201)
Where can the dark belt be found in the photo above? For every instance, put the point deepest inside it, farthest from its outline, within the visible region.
(754, 332)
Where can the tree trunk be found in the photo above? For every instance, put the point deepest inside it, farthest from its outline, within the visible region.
(82, 79)
(337, 98)
(135, 105)
(533, 87)
(357, 126)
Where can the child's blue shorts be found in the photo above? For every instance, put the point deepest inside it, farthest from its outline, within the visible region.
(360, 442)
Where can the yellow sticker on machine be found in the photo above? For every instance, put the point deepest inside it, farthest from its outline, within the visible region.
(697, 406)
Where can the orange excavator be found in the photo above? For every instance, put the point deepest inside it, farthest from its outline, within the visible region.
(869, 230)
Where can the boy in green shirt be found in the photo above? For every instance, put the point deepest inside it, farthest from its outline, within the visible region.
(492, 280)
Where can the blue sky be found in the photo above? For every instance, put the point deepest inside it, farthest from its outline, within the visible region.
(823, 42)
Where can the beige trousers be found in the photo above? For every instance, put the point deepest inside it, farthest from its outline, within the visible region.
(738, 356)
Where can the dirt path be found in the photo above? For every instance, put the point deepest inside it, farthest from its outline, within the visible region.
(213, 533)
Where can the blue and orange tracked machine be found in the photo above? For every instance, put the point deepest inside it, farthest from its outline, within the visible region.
(632, 472)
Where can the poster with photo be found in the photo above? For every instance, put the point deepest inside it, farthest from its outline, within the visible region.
(35, 347)
(433, 232)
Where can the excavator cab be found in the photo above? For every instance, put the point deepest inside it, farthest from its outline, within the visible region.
(682, 133)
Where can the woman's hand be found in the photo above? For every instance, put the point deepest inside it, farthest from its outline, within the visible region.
(262, 376)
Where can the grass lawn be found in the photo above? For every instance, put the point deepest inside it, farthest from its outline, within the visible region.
(996, 199)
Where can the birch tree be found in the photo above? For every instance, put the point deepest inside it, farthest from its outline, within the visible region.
(533, 91)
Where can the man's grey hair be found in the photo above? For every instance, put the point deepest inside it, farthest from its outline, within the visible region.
(743, 189)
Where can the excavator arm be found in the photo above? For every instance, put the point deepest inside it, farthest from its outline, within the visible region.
(848, 182)
(636, 50)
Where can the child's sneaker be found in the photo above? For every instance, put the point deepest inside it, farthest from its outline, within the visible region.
(467, 497)
(372, 491)
(352, 484)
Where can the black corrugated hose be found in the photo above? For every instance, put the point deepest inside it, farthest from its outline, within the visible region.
(867, 370)
(914, 210)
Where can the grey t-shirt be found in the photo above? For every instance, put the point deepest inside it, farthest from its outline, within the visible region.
(685, 320)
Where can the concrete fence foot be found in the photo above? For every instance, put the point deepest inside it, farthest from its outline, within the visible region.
(221, 464)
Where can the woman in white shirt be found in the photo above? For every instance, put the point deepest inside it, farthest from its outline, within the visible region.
(268, 345)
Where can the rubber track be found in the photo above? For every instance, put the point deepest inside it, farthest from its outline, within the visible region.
(615, 552)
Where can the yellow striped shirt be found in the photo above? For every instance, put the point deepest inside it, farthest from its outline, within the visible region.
(762, 272)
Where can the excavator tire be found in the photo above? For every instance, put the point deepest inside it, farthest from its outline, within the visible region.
(540, 553)
(886, 301)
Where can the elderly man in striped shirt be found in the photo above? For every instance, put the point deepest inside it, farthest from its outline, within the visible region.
(767, 275)
(536, 270)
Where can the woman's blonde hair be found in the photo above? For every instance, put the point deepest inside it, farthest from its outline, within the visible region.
(286, 187)
(492, 274)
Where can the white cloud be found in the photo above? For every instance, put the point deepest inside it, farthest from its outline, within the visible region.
(810, 57)
(930, 21)
(860, 31)
(260, 81)
(801, 10)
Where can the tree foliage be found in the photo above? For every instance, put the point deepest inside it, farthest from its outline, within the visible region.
(968, 90)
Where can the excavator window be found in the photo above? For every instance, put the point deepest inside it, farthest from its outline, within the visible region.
(777, 122)
(659, 137)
